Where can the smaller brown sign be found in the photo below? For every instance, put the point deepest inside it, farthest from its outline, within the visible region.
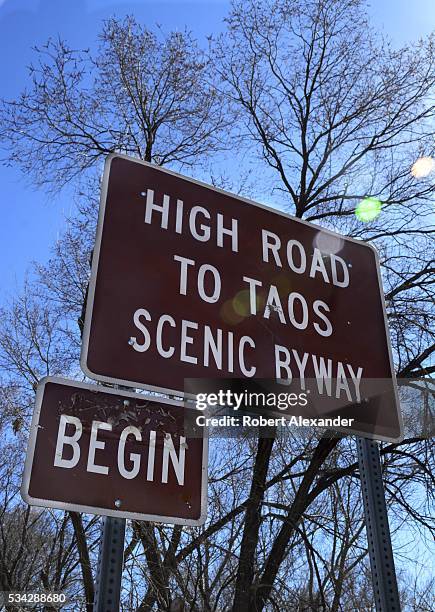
(96, 450)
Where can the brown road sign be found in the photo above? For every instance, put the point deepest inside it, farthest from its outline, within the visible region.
(189, 281)
(96, 450)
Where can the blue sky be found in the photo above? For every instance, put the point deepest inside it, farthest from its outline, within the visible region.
(30, 219)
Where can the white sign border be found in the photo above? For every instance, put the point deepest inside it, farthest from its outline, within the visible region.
(175, 392)
(47, 503)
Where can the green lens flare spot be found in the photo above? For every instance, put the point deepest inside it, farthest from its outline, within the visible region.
(368, 209)
(241, 303)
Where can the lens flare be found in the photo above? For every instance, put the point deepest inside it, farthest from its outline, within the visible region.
(423, 167)
(368, 209)
(241, 303)
(229, 315)
(328, 243)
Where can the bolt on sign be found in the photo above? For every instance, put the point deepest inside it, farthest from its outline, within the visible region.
(189, 281)
(96, 450)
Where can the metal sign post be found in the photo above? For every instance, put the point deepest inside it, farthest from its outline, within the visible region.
(110, 563)
(384, 580)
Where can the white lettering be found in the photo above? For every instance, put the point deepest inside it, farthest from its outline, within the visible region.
(302, 266)
(179, 217)
(282, 363)
(252, 292)
(318, 265)
(233, 232)
(323, 375)
(271, 242)
(134, 457)
(356, 379)
(177, 462)
(163, 209)
(246, 340)
(186, 339)
(151, 456)
(318, 304)
(342, 382)
(344, 282)
(166, 353)
(141, 348)
(273, 304)
(94, 445)
(291, 310)
(301, 364)
(217, 283)
(204, 236)
(215, 346)
(63, 440)
(183, 272)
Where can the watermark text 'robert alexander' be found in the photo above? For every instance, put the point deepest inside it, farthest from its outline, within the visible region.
(248, 420)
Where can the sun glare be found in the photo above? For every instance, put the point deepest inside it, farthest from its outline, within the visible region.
(423, 167)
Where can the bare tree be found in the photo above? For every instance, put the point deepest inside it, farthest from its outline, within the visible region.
(143, 93)
(338, 115)
(38, 548)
